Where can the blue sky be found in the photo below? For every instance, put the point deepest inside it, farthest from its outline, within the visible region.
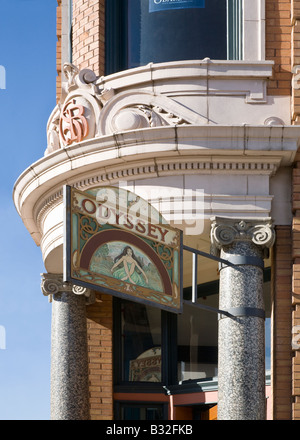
(27, 52)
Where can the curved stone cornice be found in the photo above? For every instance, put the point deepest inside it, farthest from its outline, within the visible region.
(158, 168)
(130, 156)
(148, 96)
(161, 76)
(224, 231)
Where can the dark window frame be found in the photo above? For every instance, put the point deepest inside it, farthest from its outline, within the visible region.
(116, 19)
(169, 348)
(168, 353)
(115, 27)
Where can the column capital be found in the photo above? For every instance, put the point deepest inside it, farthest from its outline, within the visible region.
(51, 284)
(225, 231)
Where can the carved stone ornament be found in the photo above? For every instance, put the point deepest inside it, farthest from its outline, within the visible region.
(224, 231)
(73, 124)
(133, 109)
(74, 118)
(85, 111)
(52, 284)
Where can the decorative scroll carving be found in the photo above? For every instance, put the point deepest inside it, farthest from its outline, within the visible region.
(135, 109)
(224, 231)
(70, 72)
(263, 235)
(52, 284)
(85, 111)
(142, 116)
(53, 141)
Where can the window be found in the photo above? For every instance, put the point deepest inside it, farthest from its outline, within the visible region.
(141, 343)
(157, 347)
(145, 348)
(142, 31)
(198, 342)
(154, 348)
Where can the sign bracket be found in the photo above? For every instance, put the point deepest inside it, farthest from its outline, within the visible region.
(235, 312)
(210, 256)
(209, 308)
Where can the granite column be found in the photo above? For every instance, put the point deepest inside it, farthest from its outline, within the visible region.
(241, 346)
(69, 354)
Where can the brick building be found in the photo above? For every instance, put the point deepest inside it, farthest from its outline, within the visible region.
(166, 117)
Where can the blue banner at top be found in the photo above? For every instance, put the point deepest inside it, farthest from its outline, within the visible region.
(163, 5)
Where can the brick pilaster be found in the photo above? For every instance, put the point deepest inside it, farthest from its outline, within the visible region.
(281, 324)
(295, 62)
(296, 292)
(58, 50)
(89, 34)
(99, 327)
(278, 45)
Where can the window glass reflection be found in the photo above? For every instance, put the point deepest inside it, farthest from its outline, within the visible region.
(198, 342)
(141, 342)
(175, 34)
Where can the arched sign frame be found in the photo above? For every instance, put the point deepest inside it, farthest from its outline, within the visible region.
(118, 244)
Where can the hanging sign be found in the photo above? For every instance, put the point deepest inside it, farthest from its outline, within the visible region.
(117, 243)
(163, 5)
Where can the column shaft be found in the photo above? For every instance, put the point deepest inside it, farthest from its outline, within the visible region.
(69, 359)
(241, 346)
(241, 369)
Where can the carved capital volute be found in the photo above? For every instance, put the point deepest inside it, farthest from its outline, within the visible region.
(52, 284)
(225, 231)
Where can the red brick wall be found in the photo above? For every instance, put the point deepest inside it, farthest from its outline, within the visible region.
(99, 327)
(89, 34)
(278, 45)
(58, 50)
(281, 324)
(88, 38)
(295, 19)
(296, 289)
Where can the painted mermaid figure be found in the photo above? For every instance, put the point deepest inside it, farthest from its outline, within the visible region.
(131, 266)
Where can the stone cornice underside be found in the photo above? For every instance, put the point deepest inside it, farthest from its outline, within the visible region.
(151, 153)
